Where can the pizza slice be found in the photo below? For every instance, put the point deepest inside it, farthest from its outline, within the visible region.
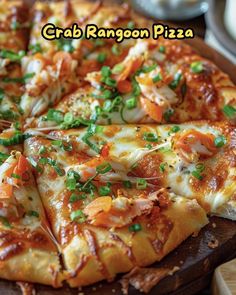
(66, 13)
(195, 160)
(14, 25)
(158, 81)
(62, 64)
(101, 222)
(28, 250)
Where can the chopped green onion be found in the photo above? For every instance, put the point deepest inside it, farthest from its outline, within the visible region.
(104, 190)
(33, 213)
(167, 114)
(127, 184)
(162, 49)
(174, 129)
(55, 115)
(105, 71)
(148, 69)
(71, 184)
(220, 141)
(150, 137)
(131, 103)
(110, 82)
(197, 174)
(74, 197)
(103, 168)
(141, 183)
(15, 57)
(14, 175)
(135, 227)
(157, 78)
(196, 67)
(34, 48)
(117, 69)
(130, 25)
(5, 221)
(162, 167)
(200, 167)
(42, 150)
(15, 139)
(73, 174)
(65, 45)
(78, 216)
(2, 93)
(135, 88)
(106, 94)
(98, 42)
(101, 57)
(174, 84)
(229, 111)
(115, 50)
(148, 146)
(68, 118)
(3, 157)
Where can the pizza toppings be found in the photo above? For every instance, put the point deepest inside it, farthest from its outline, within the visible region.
(194, 145)
(119, 212)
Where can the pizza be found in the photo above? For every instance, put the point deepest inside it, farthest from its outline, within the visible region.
(105, 146)
(28, 250)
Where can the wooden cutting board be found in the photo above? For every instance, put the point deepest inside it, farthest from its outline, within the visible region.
(195, 258)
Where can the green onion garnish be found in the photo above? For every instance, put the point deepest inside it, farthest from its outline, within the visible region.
(162, 167)
(117, 69)
(196, 67)
(131, 103)
(2, 93)
(15, 57)
(167, 114)
(127, 184)
(174, 129)
(78, 216)
(110, 82)
(157, 78)
(74, 197)
(55, 115)
(14, 175)
(104, 190)
(34, 48)
(5, 221)
(174, 84)
(115, 50)
(130, 25)
(3, 157)
(150, 137)
(148, 69)
(135, 227)
(229, 111)
(220, 141)
(103, 168)
(101, 57)
(105, 71)
(197, 174)
(141, 183)
(162, 49)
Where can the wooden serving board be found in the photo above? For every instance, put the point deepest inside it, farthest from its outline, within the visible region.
(195, 258)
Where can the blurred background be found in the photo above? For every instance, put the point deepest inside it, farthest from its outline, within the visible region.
(212, 20)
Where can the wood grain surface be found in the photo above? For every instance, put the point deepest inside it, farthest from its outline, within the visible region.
(195, 258)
